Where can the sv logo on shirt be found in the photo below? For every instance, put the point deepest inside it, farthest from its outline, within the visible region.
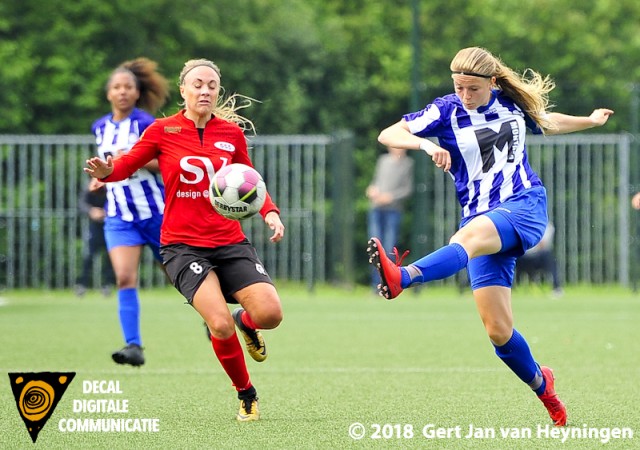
(194, 173)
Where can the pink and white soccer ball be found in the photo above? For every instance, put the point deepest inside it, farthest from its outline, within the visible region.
(237, 191)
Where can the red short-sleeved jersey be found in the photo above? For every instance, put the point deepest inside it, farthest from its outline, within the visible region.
(187, 165)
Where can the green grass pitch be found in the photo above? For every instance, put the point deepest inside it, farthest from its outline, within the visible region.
(340, 357)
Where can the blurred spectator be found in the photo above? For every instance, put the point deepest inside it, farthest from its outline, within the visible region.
(539, 261)
(635, 201)
(92, 204)
(391, 185)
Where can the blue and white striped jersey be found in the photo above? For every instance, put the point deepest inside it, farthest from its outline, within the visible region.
(488, 152)
(142, 195)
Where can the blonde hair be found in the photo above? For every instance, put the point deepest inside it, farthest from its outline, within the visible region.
(153, 87)
(226, 108)
(530, 90)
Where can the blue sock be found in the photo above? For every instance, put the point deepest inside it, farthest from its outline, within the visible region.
(440, 264)
(129, 309)
(517, 355)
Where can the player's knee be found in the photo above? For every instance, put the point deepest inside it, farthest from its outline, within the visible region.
(221, 327)
(268, 317)
(126, 280)
(274, 318)
(499, 337)
(499, 333)
(465, 241)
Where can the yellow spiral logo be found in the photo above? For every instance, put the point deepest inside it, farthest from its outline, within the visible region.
(36, 400)
(37, 394)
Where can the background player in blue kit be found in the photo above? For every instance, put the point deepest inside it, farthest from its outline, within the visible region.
(481, 142)
(134, 206)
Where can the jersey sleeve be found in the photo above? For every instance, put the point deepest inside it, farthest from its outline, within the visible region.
(140, 154)
(426, 122)
(242, 156)
(268, 206)
(145, 120)
(95, 125)
(531, 124)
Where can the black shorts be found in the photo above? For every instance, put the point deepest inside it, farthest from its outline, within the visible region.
(237, 266)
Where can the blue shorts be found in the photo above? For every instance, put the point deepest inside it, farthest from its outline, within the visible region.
(118, 233)
(520, 222)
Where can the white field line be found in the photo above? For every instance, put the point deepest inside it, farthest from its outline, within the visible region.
(126, 371)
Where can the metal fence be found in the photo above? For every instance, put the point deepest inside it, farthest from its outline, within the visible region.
(41, 227)
(311, 178)
(587, 182)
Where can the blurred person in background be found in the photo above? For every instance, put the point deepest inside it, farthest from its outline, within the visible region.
(91, 204)
(481, 131)
(540, 260)
(635, 201)
(135, 205)
(391, 185)
(208, 257)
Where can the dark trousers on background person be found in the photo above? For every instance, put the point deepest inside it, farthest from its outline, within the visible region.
(94, 247)
(538, 265)
(385, 225)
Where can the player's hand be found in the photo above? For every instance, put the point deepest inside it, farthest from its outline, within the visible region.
(99, 168)
(600, 116)
(95, 185)
(441, 158)
(385, 198)
(97, 214)
(372, 192)
(635, 201)
(272, 219)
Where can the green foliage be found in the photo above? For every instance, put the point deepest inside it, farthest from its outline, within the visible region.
(316, 66)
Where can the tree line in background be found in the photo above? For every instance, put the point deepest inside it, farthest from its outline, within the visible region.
(315, 65)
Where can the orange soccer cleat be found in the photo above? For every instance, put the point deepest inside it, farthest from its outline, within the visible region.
(390, 274)
(549, 398)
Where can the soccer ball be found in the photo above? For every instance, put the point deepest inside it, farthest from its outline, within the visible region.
(237, 191)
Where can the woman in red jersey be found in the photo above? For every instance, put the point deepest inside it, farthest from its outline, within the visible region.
(207, 257)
